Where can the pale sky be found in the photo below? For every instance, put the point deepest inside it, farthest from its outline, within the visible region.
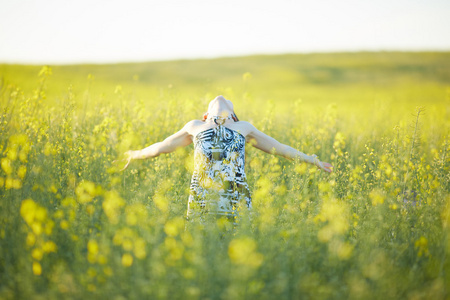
(63, 31)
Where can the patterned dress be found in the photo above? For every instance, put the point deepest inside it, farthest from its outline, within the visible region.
(218, 184)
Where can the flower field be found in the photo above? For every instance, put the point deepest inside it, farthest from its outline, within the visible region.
(72, 226)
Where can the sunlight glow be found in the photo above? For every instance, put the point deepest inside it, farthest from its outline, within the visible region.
(55, 31)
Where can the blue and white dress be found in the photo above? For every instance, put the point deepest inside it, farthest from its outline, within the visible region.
(219, 184)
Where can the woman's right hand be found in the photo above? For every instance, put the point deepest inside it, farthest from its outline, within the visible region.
(327, 167)
(129, 155)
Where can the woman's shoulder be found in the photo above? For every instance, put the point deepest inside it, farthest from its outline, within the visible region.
(193, 123)
(245, 125)
(193, 126)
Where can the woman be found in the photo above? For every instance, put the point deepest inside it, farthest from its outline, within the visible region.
(218, 184)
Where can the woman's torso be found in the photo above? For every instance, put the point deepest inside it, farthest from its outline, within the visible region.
(218, 184)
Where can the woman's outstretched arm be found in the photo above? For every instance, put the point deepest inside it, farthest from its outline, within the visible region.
(270, 145)
(180, 139)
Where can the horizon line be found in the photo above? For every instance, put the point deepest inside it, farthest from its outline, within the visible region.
(192, 58)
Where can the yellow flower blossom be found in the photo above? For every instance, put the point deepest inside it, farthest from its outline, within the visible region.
(422, 246)
(344, 251)
(139, 248)
(85, 192)
(377, 197)
(127, 260)
(111, 206)
(64, 224)
(335, 214)
(6, 165)
(37, 269)
(247, 76)
(49, 246)
(37, 253)
(242, 251)
(31, 239)
(174, 226)
(135, 213)
(92, 247)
